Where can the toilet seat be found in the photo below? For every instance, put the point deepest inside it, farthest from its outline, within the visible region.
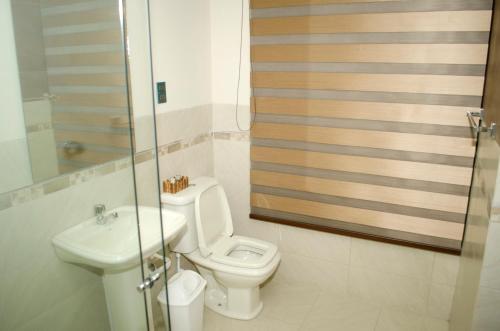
(261, 252)
(206, 262)
(218, 246)
(216, 222)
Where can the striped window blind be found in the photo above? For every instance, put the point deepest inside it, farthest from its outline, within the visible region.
(361, 123)
(86, 69)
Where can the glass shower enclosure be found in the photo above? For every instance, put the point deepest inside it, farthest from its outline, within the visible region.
(82, 235)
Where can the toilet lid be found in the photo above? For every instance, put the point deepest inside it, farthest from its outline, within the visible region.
(213, 218)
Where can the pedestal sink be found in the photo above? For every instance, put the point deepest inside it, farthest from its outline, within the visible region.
(114, 248)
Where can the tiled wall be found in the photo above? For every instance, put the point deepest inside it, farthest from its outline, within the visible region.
(185, 148)
(406, 280)
(64, 296)
(39, 291)
(15, 160)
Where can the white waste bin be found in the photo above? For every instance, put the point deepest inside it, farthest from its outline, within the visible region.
(186, 300)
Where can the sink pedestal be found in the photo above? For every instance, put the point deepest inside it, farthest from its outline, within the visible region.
(125, 304)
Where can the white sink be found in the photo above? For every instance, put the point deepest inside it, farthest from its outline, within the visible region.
(115, 245)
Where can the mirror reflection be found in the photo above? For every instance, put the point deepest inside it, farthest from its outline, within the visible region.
(64, 91)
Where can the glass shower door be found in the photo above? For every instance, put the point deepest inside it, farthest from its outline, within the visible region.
(146, 166)
(477, 296)
(80, 222)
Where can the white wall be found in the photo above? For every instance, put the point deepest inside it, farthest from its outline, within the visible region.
(196, 51)
(226, 37)
(226, 30)
(181, 55)
(15, 171)
(138, 56)
(181, 51)
(140, 74)
(182, 58)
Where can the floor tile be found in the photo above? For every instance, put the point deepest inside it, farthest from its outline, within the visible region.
(288, 303)
(341, 312)
(216, 322)
(433, 324)
(305, 308)
(395, 320)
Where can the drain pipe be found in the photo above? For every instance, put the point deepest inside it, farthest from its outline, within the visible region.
(178, 262)
(158, 270)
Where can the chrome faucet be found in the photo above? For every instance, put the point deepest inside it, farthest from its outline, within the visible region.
(100, 214)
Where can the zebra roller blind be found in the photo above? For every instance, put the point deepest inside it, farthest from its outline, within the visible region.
(361, 120)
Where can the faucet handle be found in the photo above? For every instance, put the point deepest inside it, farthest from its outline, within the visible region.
(99, 209)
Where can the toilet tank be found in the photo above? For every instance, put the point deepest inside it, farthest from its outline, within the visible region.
(183, 202)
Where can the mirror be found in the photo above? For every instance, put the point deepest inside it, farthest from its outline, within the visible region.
(68, 107)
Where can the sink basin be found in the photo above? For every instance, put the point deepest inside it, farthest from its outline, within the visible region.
(115, 245)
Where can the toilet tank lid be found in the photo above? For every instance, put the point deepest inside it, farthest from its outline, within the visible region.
(189, 194)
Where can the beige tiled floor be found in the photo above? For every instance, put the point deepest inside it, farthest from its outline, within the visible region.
(290, 308)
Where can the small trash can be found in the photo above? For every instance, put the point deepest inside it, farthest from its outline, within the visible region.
(186, 300)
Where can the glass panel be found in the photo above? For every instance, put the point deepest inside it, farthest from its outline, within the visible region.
(146, 163)
(70, 205)
(473, 292)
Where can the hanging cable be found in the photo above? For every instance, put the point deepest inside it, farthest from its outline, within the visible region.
(252, 104)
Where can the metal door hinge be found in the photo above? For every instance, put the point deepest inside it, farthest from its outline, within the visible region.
(493, 130)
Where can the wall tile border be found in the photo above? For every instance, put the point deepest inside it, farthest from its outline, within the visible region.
(39, 127)
(232, 135)
(39, 190)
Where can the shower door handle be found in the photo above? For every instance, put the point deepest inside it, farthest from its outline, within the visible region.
(148, 282)
(475, 126)
(478, 127)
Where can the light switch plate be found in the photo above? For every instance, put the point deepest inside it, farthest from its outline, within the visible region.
(161, 92)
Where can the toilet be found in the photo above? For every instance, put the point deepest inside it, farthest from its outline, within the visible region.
(233, 266)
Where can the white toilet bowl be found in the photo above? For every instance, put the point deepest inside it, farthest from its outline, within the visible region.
(234, 266)
(235, 273)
